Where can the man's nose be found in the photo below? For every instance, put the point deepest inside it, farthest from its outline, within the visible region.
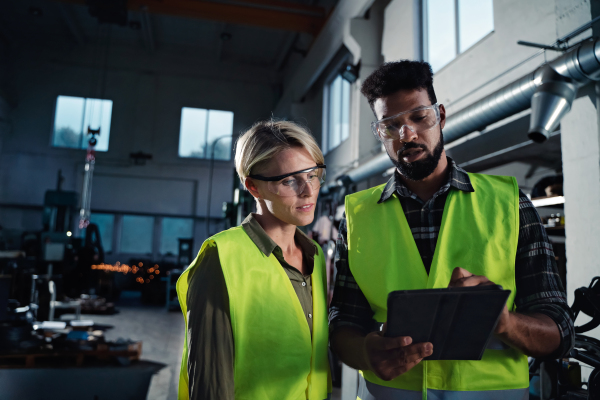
(407, 134)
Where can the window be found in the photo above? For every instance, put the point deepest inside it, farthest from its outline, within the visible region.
(173, 229)
(200, 128)
(73, 117)
(136, 234)
(105, 224)
(337, 107)
(453, 26)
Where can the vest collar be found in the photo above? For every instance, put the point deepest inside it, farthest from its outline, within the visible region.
(458, 179)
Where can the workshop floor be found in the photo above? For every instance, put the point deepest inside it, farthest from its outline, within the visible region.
(162, 335)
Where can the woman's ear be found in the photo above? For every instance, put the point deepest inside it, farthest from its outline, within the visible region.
(249, 183)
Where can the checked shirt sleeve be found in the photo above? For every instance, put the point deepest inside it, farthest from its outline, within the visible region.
(539, 287)
(349, 306)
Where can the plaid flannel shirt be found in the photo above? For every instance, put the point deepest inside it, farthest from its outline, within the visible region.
(539, 287)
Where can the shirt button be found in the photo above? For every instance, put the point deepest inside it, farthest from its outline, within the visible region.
(309, 315)
(303, 283)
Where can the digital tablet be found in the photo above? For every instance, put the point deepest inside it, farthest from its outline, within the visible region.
(459, 322)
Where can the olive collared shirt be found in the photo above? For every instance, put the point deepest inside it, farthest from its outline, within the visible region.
(210, 338)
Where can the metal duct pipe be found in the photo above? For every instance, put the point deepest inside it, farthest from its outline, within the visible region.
(549, 91)
(550, 102)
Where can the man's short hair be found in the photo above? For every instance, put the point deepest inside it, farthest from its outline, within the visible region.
(393, 76)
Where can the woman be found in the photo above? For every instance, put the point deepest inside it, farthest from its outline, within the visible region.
(255, 297)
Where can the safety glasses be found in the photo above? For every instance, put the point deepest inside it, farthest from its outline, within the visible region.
(294, 183)
(397, 126)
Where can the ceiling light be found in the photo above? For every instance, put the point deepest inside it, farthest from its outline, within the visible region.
(548, 201)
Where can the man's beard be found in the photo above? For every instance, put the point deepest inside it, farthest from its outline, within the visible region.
(420, 169)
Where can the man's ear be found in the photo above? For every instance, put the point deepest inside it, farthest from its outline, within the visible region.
(442, 116)
(249, 184)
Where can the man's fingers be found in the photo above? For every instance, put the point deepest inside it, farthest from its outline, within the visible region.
(459, 273)
(409, 354)
(416, 351)
(394, 343)
(474, 280)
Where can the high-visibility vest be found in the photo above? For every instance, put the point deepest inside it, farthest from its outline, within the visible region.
(275, 356)
(479, 232)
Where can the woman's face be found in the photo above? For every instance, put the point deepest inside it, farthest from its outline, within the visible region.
(297, 210)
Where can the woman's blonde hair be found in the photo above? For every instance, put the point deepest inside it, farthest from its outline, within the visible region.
(267, 138)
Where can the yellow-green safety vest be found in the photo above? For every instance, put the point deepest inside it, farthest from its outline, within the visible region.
(275, 356)
(479, 232)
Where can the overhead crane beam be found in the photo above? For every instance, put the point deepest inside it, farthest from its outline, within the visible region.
(275, 14)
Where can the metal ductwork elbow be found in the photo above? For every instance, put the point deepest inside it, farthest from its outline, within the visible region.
(560, 80)
(550, 102)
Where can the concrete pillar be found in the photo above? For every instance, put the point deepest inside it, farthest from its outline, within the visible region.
(580, 140)
(367, 34)
(349, 383)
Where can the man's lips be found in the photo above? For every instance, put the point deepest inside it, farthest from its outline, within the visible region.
(411, 154)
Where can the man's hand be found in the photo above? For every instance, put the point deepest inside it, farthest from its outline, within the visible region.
(391, 357)
(463, 278)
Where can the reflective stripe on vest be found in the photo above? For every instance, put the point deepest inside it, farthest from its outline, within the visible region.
(275, 356)
(479, 232)
(372, 391)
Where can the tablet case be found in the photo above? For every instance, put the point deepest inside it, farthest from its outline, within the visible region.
(459, 322)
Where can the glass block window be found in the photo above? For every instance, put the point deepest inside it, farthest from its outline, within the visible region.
(72, 118)
(172, 230)
(106, 223)
(136, 234)
(453, 26)
(200, 128)
(337, 113)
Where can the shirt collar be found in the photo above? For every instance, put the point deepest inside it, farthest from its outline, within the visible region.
(267, 245)
(458, 179)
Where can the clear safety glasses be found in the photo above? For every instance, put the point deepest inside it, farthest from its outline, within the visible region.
(417, 121)
(294, 183)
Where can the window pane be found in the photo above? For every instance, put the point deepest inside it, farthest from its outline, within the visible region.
(136, 234)
(97, 115)
(74, 114)
(345, 117)
(220, 123)
(192, 132)
(441, 32)
(173, 229)
(476, 19)
(68, 122)
(335, 99)
(105, 224)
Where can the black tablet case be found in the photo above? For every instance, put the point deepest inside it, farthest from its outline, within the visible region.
(459, 322)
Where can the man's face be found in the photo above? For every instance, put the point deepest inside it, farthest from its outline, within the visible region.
(417, 155)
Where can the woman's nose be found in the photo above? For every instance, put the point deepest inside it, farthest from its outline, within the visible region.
(308, 189)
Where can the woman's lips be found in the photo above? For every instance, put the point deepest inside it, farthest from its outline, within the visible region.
(412, 155)
(306, 208)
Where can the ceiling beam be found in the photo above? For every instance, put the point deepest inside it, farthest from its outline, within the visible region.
(147, 31)
(245, 12)
(67, 14)
(284, 6)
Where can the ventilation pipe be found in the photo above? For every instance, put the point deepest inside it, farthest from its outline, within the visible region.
(549, 91)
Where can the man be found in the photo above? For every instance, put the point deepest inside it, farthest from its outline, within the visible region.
(432, 226)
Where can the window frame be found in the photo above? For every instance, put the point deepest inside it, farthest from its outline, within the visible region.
(207, 149)
(425, 32)
(83, 134)
(326, 136)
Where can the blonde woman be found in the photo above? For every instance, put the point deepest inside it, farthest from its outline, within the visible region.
(254, 299)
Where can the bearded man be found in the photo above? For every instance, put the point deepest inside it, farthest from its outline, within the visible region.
(433, 225)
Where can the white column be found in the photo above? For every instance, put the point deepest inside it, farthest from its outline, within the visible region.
(580, 142)
(349, 383)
